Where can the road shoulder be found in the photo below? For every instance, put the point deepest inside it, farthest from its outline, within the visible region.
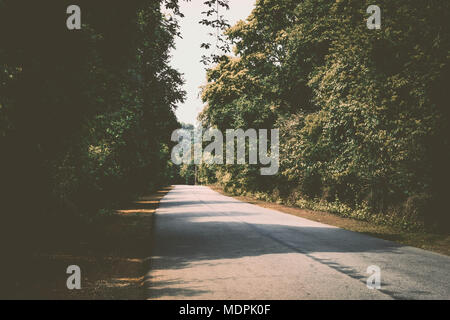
(439, 243)
(111, 253)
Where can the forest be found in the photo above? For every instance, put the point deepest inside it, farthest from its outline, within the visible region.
(86, 116)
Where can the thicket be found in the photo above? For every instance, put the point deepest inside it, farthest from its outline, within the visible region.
(85, 115)
(363, 114)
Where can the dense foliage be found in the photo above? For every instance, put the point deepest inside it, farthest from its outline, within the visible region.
(363, 113)
(85, 115)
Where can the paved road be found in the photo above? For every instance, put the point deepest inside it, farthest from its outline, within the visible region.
(208, 246)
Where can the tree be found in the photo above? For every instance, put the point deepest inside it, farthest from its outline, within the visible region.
(361, 111)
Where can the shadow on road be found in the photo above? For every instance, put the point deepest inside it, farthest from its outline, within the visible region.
(186, 235)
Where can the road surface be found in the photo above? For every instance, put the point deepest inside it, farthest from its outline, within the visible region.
(209, 246)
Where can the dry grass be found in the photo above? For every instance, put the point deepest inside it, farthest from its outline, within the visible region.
(111, 254)
(439, 243)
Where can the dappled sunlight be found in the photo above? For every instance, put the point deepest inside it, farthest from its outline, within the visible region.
(134, 212)
(147, 202)
(209, 246)
(120, 282)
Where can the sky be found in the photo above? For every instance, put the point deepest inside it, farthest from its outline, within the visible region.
(186, 57)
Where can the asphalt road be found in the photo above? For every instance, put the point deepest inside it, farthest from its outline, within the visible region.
(209, 246)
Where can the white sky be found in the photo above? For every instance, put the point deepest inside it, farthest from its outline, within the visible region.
(187, 55)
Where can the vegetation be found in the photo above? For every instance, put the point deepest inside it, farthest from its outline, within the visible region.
(363, 113)
(85, 115)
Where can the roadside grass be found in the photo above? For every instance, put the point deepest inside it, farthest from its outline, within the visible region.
(111, 253)
(436, 242)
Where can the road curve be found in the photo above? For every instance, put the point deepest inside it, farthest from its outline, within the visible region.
(209, 246)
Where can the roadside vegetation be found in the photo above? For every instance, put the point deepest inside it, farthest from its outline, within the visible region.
(85, 119)
(363, 116)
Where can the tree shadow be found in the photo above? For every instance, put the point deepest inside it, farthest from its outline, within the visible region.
(185, 237)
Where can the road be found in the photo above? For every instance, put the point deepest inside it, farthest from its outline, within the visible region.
(209, 246)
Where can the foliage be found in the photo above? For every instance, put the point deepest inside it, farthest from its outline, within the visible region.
(362, 113)
(85, 116)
